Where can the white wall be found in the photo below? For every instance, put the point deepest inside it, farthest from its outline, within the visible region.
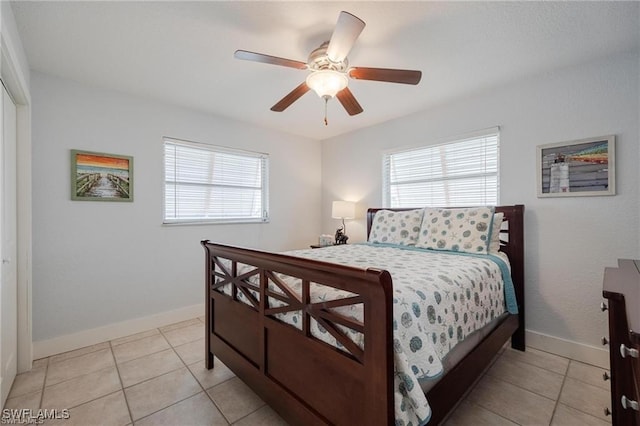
(13, 44)
(568, 240)
(98, 263)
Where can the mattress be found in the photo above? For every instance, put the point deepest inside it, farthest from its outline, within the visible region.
(440, 299)
(459, 351)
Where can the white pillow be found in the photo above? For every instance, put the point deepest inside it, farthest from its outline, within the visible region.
(463, 230)
(494, 245)
(391, 227)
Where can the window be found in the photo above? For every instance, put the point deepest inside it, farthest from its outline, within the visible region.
(463, 172)
(211, 184)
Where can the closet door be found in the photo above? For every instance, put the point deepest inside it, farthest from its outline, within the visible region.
(8, 253)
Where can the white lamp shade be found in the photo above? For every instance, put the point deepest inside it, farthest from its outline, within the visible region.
(327, 82)
(343, 210)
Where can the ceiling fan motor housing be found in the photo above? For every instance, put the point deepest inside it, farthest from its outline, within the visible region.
(319, 60)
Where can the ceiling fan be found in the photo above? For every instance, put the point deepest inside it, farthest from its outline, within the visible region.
(330, 68)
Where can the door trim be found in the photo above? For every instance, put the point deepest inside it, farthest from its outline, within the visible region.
(15, 79)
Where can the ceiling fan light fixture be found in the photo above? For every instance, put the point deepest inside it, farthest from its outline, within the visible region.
(327, 83)
(329, 68)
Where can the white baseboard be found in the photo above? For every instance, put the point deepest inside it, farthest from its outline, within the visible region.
(68, 342)
(567, 348)
(6, 379)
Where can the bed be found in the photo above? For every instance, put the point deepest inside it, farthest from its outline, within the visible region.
(343, 380)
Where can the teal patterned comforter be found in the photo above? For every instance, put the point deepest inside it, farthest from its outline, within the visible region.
(439, 299)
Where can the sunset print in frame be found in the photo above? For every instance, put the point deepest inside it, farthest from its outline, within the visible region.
(96, 176)
(584, 167)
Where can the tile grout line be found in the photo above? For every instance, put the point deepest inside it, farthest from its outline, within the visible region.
(150, 353)
(244, 417)
(142, 356)
(516, 384)
(109, 346)
(586, 383)
(580, 409)
(564, 380)
(181, 344)
(486, 373)
(539, 366)
(154, 377)
(55, 384)
(126, 401)
(205, 390)
(493, 412)
(91, 400)
(214, 403)
(181, 322)
(555, 400)
(79, 355)
(184, 399)
(218, 384)
(507, 418)
(150, 378)
(164, 408)
(74, 377)
(465, 397)
(608, 388)
(44, 382)
(488, 408)
(161, 333)
(565, 376)
(77, 377)
(180, 356)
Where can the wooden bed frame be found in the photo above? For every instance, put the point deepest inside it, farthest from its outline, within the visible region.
(309, 382)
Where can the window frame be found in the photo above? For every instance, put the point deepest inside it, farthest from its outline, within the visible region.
(264, 157)
(386, 185)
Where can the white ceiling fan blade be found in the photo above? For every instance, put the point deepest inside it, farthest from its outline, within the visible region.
(347, 30)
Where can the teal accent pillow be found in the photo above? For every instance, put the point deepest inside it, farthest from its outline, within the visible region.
(400, 228)
(465, 230)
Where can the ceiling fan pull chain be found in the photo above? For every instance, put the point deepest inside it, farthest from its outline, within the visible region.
(326, 101)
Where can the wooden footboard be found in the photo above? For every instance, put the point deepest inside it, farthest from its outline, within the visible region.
(306, 380)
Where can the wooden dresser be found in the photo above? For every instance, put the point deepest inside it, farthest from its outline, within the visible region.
(621, 288)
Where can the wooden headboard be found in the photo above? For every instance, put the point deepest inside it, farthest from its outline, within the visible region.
(511, 243)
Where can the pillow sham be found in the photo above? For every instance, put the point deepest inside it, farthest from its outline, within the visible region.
(494, 245)
(400, 228)
(465, 229)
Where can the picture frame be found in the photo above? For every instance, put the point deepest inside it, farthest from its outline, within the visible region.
(97, 176)
(579, 168)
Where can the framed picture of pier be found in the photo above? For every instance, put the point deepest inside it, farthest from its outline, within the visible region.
(96, 176)
(578, 168)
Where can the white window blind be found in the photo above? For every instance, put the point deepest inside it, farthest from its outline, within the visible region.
(459, 173)
(206, 183)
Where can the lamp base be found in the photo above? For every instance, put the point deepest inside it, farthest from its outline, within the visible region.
(341, 237)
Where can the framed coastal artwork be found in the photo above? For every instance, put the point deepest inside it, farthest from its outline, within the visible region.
(96, 176)
(584, 167)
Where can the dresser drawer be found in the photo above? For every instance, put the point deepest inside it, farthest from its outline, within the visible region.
(625, 364)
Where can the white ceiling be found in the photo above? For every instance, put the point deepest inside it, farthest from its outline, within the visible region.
(182, 52)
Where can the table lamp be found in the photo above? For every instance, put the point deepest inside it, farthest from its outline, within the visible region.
(343, 210)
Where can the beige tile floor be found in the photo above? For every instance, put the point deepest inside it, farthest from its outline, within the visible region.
(158, 378)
